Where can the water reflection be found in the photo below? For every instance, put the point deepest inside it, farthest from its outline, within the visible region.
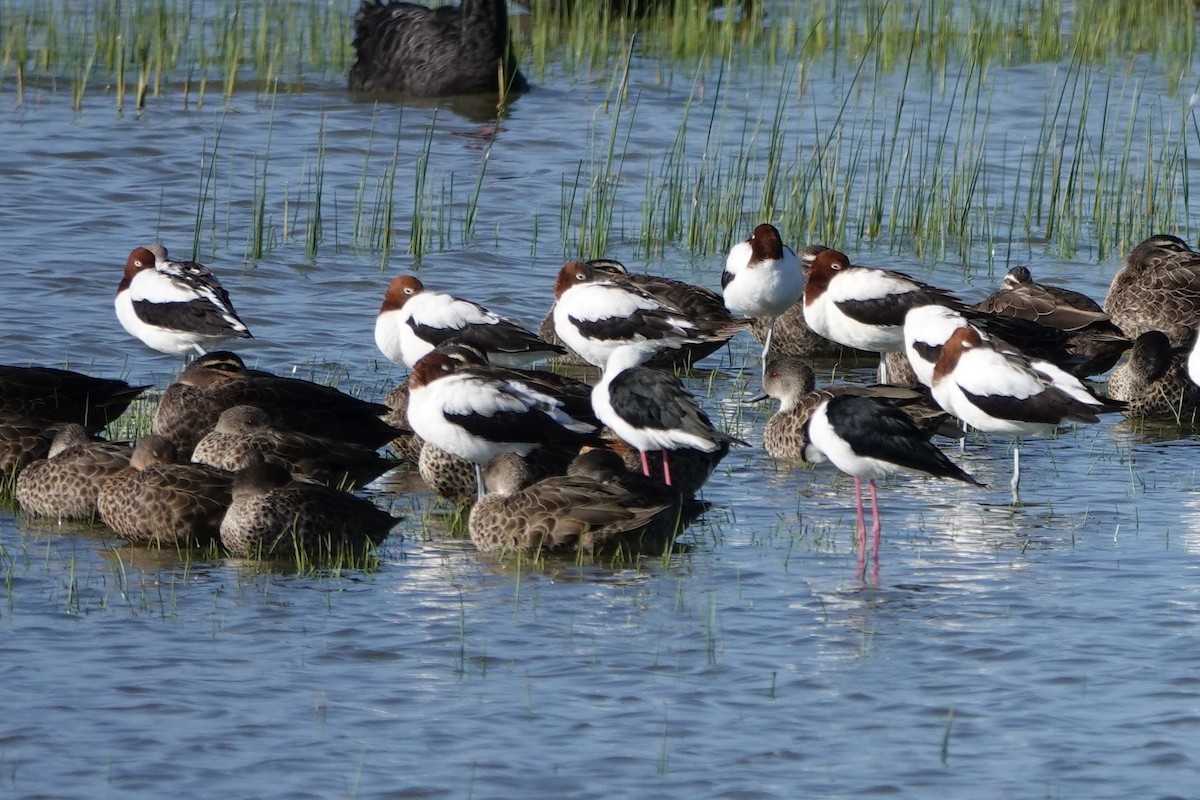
(1053, 630)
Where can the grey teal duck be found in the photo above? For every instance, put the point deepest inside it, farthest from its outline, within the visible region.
(558, 514)
(190, 407)
(1154, 381)
(158, 501)
(65, 485)
(245, 434)
(273, 515)
(1158, 289)
(1094, 343)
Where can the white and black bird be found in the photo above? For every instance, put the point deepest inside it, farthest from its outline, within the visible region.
(926, 331)
(762, 278)
(999, 390)
(868, 438)
(414, 320)
(863, 307)
(649, 409)
(595, 313)
(927, 328)
(476, 414)
(175, 307)
(793, 383)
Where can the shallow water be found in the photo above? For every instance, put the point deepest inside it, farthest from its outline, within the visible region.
(1047, 649)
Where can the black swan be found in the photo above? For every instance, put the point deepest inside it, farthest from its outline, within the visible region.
(403, 47)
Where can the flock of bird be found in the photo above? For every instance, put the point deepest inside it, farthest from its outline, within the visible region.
(266, 465)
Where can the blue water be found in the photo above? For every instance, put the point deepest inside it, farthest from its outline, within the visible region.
(1044, 650)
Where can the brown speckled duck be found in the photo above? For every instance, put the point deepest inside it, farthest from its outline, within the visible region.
(560, 514)
(1158, 289)
(23, 440)
(450, 477)
(219, 380)
(605, 466)
(1094, 343)
(1154, 381)
(245, 435)
(158, 501)
(453, 478)
(65, 485)
(273, 515)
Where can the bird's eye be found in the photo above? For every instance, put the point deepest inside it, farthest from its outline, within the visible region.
(408, 290)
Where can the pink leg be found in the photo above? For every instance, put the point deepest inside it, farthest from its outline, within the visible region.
(645, 464)
(666, 468)
(861, 530)
(877, 529)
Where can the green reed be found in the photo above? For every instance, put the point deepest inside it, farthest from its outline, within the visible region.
(419, 223)
(205, 197)
(257, 43)
(314, 229)
(903, 160)
(259, 222)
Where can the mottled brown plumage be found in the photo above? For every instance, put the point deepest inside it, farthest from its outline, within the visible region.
(219, 380)
(453, 478)
(559, 514)
(1154, 381)
(65, 485)
(272, 515)
(606, 467)
(406, 445)
(158, 501)
(450, 477)
(23, 440)
(1158, 289)
(1019, 297)
(245, 435)
(1094, 343)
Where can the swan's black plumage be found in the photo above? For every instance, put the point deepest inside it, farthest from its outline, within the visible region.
(403, 47)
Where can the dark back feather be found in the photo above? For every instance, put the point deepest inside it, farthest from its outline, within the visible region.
(432, 52)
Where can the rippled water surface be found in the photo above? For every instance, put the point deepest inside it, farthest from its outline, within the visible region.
(1044, 650)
